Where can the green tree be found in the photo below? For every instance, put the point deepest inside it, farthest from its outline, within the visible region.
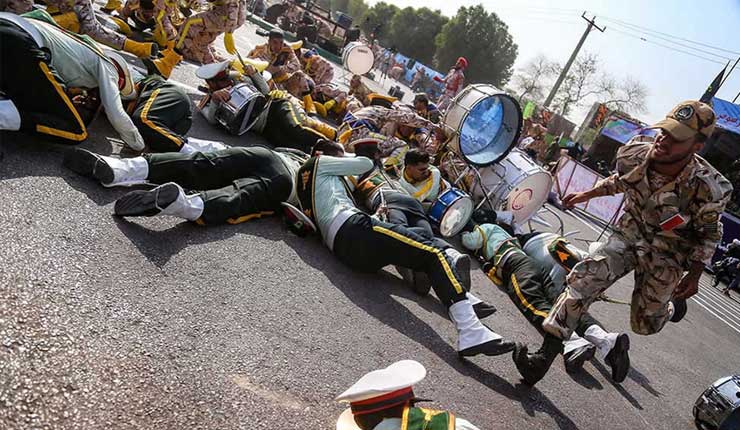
(379, 16)
(412, 31)
(483, 39)
(356, 9)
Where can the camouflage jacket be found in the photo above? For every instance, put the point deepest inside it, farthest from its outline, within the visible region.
(681, 219)
(285, 59)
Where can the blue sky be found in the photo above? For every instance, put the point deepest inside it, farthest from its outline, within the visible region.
(554, 28)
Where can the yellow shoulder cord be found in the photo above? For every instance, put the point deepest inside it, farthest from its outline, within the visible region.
(425, 189)
(186, 29)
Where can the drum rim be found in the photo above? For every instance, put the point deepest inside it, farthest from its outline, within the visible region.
(348, 50)
(456, 231)
(465, 116)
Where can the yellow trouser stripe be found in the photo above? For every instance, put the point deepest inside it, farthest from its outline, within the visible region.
(56, 132)
(186, 28)
(523, 300)
(246, 218)
(153, 126)
(415, 244)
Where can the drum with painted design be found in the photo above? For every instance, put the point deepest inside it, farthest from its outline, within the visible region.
(515, 184)
(451, 211)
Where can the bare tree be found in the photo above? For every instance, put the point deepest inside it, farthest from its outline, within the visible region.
(531, 79)
(627, 96)
(583, 81)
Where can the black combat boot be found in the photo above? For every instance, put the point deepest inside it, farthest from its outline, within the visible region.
(534, 366)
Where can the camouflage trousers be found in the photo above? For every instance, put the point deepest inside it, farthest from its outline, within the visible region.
(197, 44)
(89, 25)
(16, 6)
(656, 276)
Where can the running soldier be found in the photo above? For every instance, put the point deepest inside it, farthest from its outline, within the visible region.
(673, 200)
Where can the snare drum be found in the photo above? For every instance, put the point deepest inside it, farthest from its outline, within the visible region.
(485, 123)
(237, 114)
(718, 408)
(358, 58)
(516, 184)
(451, 211)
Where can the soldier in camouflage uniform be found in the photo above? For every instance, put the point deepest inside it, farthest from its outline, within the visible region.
(199, 31)
(673, 200)
(382, 123)
(316, 67)
(284, 64)
(16, 6)
(157, 14)
(79, 16)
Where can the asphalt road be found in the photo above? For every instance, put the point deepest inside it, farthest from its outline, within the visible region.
(160, 324)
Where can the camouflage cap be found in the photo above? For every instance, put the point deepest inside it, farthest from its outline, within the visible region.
(687, 119)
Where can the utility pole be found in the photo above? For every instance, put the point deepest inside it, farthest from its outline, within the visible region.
(591, 24)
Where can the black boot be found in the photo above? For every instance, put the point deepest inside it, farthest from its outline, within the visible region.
(575, 359)
(533, 367)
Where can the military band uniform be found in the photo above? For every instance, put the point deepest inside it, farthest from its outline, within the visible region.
(363, 242)
(39, 60)
(428, 190)
(162, 113)
(454, 82)
(667, 225)
(284, 62)
(198, 32)
(375, 189)
(528, 286)
(156, 14)
(240, 183)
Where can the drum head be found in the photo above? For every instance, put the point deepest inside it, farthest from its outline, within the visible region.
(358, 58)
(456, 216)
(528, 196)
(490, 129)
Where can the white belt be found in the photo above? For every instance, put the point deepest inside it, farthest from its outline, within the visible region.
(336, 224)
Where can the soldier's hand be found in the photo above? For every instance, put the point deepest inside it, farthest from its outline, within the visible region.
(221, 96)
(687, 287)
(573, 199)
(249, 70)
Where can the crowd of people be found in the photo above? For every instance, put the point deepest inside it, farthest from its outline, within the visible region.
(355, 168)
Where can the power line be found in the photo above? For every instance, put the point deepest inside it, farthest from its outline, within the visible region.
(647, 29)
(671, 41)
(667, 47)
(552, 10)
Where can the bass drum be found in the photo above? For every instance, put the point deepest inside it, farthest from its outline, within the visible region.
(516, 184)
(358, 58)
(484, 123)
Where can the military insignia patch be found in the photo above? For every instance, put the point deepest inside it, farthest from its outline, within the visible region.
(684, 113)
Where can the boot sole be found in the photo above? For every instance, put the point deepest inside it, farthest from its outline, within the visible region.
(620, 360)
(146, 203)
(492, 348)
(575, 363)
(462, 269)
(86, 163)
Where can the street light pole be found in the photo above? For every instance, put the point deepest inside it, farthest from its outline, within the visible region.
(564, 73)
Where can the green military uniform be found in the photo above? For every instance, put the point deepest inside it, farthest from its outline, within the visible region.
(162, 113)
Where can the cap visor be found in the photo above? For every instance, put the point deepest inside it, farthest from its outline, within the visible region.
(677, 130)
(346, 421)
